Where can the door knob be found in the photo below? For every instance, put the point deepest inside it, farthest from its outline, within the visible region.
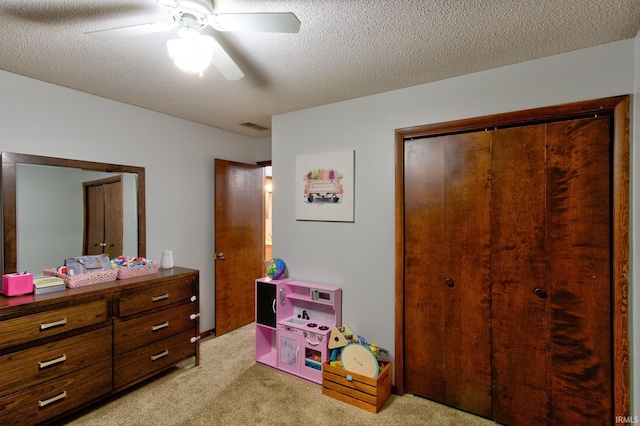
(449, 282)
(540, 292)
(221, 256)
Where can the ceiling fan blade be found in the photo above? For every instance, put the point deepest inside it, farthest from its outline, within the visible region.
(256, 22)
(225, 64)
(168, 3)
(130, 31)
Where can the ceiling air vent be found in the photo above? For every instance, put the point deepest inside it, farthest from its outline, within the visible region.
(254, 126)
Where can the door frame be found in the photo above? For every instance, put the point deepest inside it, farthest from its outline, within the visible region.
(265, 164)
(618, 108)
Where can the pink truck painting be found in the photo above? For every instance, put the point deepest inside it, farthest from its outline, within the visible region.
(323, 184)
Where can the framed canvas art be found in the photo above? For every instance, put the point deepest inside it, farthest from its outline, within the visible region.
(325, 186)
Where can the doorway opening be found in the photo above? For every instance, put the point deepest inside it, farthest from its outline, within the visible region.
(268, 213)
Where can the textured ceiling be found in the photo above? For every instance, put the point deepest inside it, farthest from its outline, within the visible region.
(345, 49)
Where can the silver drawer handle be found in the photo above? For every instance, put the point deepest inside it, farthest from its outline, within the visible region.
(160, 355)
(161, 297)
(44, 364)
(63, 321)
(46, 402)
(160, 326)
(194, 316)
(193, 298)
(195, 339)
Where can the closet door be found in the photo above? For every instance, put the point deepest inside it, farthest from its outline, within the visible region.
(519, 306)
(578, 270)
(551, 291)
(554, 244)
(447, 270)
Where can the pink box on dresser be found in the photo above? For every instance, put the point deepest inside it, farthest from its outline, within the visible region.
(17, 284)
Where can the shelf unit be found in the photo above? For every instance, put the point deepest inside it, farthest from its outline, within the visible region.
(293, 323)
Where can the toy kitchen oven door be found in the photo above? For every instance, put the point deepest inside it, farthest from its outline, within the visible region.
(304, 331)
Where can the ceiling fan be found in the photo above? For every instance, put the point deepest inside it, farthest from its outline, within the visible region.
(193, 51)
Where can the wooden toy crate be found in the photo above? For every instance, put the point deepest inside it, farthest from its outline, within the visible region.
(361, 391)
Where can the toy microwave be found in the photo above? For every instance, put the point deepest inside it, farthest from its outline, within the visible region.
(17, 284)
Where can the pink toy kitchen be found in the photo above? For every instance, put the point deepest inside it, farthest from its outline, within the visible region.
(293, 322)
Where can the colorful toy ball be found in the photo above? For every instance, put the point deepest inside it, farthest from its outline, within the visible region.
(275, 268)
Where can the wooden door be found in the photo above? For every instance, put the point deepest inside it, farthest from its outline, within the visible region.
(103, 210)
(519, 316)
(532, 205)
(447, 271)
(239, 242)
(578, 270)
(560, 247)
(551, 234)
(93, 219)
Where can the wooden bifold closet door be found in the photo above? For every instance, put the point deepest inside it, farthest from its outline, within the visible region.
(447, 270)
(507, 271)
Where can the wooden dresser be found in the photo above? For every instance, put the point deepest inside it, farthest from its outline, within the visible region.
(62, 351)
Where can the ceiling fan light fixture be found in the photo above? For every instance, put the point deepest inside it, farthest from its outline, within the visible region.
(192, 52)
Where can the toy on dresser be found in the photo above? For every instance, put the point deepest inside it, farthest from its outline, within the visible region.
(17, 284)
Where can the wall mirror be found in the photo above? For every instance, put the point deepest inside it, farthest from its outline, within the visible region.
(43, 209)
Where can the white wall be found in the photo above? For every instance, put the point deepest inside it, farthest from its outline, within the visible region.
(49, 202)
(263, 149)
(178, 156)
(359, 257)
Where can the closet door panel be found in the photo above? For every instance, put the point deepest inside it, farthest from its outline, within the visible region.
(447, 270)
(579, 273)
(424, 370)
(519, 313)
(467, 280)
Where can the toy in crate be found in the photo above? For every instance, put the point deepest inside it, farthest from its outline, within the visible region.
(129, 267)
(357, 372)
(84, 270)
(361, 357)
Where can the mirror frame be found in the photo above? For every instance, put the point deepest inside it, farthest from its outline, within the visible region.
(9, 212)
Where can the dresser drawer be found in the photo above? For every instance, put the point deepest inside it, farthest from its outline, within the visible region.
(50, 323)
(155, 357)
(132, 334)
(36, 365)
(141, 299)
(49, 399)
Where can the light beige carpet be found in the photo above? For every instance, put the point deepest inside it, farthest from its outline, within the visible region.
(229, 388)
